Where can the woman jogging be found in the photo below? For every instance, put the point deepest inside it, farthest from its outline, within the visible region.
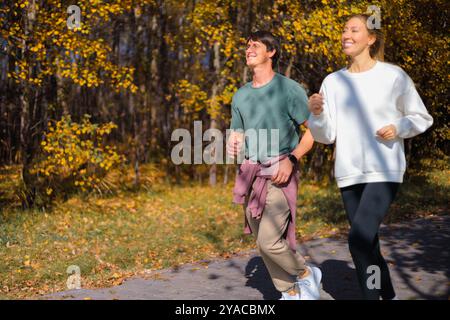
(367, 109)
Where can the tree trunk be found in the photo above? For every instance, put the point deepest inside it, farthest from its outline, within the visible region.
(225, 175)
(213, 125)
(289, 67)
(26, 139)
(60, 95)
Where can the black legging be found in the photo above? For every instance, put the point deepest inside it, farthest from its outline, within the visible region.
(366, 205)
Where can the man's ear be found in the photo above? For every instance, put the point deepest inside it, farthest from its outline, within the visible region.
(272, 53)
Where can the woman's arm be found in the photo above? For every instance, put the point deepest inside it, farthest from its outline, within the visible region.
(322, 121)
(416, 118)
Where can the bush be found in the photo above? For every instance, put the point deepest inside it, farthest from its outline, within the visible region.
(73, 158)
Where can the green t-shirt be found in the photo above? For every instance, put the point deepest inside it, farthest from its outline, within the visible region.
(280, 104)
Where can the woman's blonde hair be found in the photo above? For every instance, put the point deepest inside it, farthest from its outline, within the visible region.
(376, 50)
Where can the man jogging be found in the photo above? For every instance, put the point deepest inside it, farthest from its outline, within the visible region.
(274, 106)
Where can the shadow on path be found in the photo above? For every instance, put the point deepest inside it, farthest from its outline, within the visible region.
(258, 278)
(417, 252)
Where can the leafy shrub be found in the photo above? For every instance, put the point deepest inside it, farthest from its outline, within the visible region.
(74, 157)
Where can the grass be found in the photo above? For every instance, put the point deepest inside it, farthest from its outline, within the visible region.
(115, 237)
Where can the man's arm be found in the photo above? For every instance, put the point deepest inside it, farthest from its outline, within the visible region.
(286, 166)
(305, 145)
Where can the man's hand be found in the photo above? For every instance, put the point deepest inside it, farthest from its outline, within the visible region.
(315, 104)
(234, 143)
(388, 132)
(285, 167)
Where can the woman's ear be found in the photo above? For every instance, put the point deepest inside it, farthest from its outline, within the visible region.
(372, 39)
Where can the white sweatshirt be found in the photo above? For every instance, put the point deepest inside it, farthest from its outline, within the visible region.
(356, 106)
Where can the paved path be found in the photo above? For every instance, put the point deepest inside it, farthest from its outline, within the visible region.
(417, 252)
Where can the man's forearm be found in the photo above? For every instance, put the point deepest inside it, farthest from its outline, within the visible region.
(306, 143)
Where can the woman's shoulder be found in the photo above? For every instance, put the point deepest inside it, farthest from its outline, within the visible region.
(400, 78)
(385, 69)
(391, 68)
(334, 76)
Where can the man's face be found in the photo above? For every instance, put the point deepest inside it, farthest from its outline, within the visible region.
(257, 54)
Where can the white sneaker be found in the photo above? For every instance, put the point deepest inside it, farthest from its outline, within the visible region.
(287, 296)
(394, 298)
(310, 286)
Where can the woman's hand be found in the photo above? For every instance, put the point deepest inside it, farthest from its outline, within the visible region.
(315, 104)
(388, 132)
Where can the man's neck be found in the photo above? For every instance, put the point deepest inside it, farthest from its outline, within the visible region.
(361, 63)
(261, 76)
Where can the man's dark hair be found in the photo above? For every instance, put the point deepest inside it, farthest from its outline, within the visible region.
(270, 41)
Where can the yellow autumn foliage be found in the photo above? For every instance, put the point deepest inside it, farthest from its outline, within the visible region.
(75, 156)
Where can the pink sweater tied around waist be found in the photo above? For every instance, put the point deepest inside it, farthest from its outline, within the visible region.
(255, 176)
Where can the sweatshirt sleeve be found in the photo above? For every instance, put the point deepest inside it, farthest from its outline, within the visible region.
(416, 118)
(323, 126)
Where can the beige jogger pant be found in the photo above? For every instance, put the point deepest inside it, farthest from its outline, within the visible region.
(282, 263)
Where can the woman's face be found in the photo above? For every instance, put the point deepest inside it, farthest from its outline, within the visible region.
(355, 37)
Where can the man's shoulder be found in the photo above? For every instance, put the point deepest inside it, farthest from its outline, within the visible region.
(291, 85)
(288, 81)
(243, 90)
